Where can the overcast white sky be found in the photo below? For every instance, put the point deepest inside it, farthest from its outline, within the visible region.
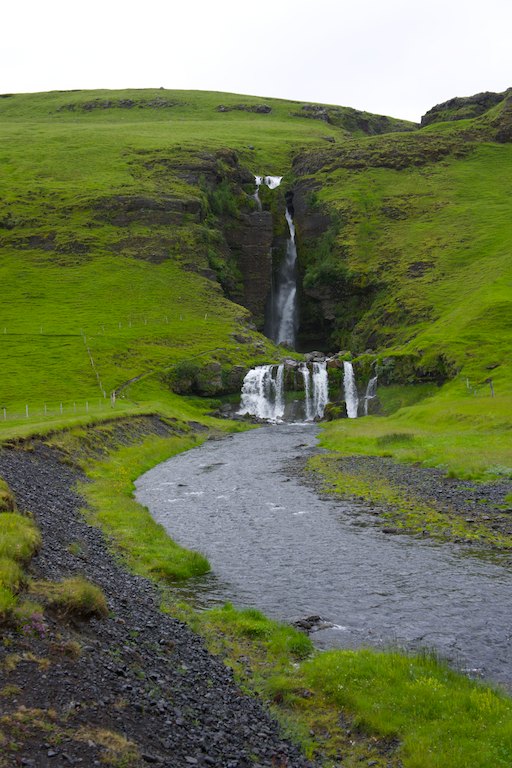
(396, 57)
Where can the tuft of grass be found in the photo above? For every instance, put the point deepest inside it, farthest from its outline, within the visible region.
(393, 438)
(19, 541)
(118, 751)
(7, 501)
(74, 597)
(19, 537)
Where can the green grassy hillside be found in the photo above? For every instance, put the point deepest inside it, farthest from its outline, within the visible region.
(106, 233)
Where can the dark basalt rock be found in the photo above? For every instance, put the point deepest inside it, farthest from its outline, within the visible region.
(260, 109)
(250, 241)
(462, 108)
(122, 210)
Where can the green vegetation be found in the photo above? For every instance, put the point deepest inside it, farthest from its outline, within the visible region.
(73, 597)
(19, 541)
(464, 435)
(7, 502)
(439, 717)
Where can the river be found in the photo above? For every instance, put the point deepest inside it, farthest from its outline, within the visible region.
(275, 545)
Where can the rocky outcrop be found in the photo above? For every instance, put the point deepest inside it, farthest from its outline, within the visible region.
(123, 210)
(353, 120)
(462, 108)
(259, 109)
(250, 240)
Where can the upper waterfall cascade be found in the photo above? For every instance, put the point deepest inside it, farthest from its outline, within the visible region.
(284, 310)
(270, 181)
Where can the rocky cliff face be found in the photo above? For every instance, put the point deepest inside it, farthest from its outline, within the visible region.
(250, 241)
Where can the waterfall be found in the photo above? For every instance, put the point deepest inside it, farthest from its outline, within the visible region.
(371, 391)
(263, 393)
(259, 182)
(320, 389)
(308, 405)
(284, 310)
(349, 385)
(271, 182)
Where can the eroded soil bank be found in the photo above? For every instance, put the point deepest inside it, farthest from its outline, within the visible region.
(134, 689)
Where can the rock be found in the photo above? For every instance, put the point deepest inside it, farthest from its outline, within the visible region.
(314, 357)
(312, 624)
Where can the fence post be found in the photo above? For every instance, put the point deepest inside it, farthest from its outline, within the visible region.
(5, 414)
(87, 406)
(26, 411)
(61, 407)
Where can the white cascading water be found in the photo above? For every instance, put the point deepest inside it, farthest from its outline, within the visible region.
(349, 386)
(259, 182)
(271, 181)
(263, 393)
(371, 391)
(320, 389)
(285, 314)
(308, 405)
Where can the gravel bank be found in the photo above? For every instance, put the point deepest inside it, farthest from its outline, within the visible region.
(139, 675)
(476, 503)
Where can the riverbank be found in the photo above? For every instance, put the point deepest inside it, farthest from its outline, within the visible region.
(138, 687)
(417, 500)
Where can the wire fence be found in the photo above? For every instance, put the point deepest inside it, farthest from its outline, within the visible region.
(62, 408)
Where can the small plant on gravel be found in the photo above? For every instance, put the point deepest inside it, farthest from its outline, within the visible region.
(75, 548)
(35, 626)
(74, 597)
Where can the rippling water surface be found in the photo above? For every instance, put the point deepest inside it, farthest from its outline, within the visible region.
(274, 545)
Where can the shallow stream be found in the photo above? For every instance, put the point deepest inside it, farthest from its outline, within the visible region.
(275, 545)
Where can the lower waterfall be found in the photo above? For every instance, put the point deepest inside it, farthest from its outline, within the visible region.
(371, 391)
(349, 386)
(263, 392)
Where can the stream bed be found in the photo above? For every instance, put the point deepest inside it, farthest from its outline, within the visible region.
(273, 544)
